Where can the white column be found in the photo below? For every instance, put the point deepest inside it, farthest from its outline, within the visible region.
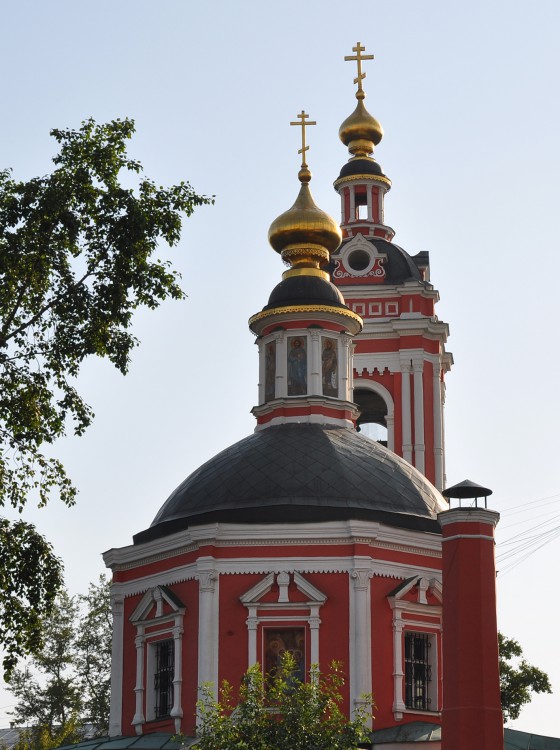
(281, 365)
(390, 422)
(262, 365)
(419, 445)
(438, 428)
(360, 637)
(369, 202)
(398, 672)
(406, 409)
(208, 614)
(115, 720)
(352, 216)
(139, 718)
(314, 381)
(345, 373)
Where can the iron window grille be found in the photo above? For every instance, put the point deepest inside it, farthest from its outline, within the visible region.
(418, 670)
(163, 678)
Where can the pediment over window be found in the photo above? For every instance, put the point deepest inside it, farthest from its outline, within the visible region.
(417, 589)
(277, 588)
(157, 602)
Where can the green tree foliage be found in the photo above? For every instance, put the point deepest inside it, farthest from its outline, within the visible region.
(78, 254)
(280, 712)
(67, 682)
(518, 678)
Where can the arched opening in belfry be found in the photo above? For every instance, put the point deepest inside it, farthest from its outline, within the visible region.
(373, 412)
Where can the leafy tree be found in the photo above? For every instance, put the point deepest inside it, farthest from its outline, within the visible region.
(518, 678)
(77, 258)
(67, 682)
(280, 712)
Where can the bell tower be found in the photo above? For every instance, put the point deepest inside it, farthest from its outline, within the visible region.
(400, 359)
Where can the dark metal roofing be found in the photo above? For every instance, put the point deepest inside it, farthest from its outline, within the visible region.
(301, 473)
(155, 741)
(304, 290)
(361, 166)
(467, 489)
(399, 266)
(414, 731)
(515, 740)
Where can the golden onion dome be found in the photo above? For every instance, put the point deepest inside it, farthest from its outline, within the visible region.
(361, 132)
(304, 235)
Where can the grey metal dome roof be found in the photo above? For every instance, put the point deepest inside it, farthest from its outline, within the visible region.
(298, 473)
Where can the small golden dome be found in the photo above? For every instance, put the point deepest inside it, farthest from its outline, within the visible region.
(304, 234)
(361, 132)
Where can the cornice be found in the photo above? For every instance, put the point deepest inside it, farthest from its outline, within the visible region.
(296, 311)
(363, 178)
(327, 533)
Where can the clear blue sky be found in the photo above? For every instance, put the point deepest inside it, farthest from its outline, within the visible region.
(468, 96)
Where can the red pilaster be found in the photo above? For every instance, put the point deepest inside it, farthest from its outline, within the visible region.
(472, 715)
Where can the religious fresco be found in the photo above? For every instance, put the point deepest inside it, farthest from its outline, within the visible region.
(297, 365)
(270, 371)
(329, 362)
(279, 642)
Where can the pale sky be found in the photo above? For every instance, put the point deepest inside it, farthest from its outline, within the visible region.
(468, 96)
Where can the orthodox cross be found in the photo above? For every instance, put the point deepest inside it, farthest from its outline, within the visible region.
(302, 123)
(358, 57)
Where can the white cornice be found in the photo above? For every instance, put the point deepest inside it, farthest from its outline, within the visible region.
(235, 535)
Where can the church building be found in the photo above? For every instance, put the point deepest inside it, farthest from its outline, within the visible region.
(308, 536)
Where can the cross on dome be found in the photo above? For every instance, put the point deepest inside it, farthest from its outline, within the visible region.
(358, 57)
(302, 123)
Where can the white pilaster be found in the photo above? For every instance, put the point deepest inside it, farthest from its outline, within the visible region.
(262, 366)
(360, 637)
(369, 203)
(115, 721)
(438, 428)
(406, 410)
(314, 623)
(398, 662)
(345, 368)
(177, 711)
(352, 216)
(390, 423)
(419, 445)
(281, 365)
(252, 624)
(208, 615)
(314, 379)
(139, 718)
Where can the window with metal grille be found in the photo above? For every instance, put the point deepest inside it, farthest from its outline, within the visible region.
(418, 670)
(163, 678)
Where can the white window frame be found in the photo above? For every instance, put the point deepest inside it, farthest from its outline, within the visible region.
(408, 616)
(169, 626)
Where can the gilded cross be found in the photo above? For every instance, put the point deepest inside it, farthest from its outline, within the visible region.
(358, 57)
(303, 124)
